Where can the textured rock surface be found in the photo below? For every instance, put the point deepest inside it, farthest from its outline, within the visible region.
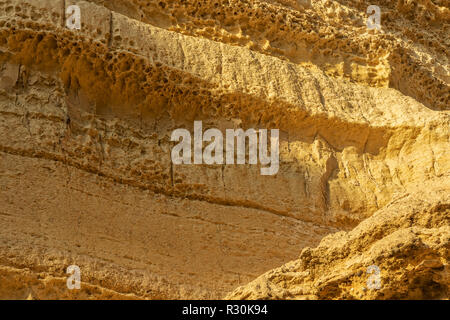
(408, 241)
(85, 123)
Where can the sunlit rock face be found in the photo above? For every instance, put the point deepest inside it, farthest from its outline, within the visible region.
(87, 112)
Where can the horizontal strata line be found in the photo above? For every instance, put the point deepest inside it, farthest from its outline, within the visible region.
(33, 115)
(387, 131)
(18, 265)
(166, 213)
(165, 35)
(274, 8)
(156, 190)
(305, 115)
(11, 268)
(264, 60)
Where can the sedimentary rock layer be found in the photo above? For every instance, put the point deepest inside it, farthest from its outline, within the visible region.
(86, 116)
(407, 243)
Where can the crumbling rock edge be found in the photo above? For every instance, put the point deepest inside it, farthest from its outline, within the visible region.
(408, 242)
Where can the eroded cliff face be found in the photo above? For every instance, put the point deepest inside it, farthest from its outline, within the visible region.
(86, 116)
(406, 244)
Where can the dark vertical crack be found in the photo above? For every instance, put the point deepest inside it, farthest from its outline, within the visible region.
(19, 85)
(171, 173)
(331, 166)
(289, 142)
(110, 37)
(102, 151)
(63, 14)
(223, 177)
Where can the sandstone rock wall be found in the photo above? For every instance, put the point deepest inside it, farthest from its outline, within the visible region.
(407, 243)
(86, 116)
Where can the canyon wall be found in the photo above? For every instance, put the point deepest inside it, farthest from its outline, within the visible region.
(86, 117)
